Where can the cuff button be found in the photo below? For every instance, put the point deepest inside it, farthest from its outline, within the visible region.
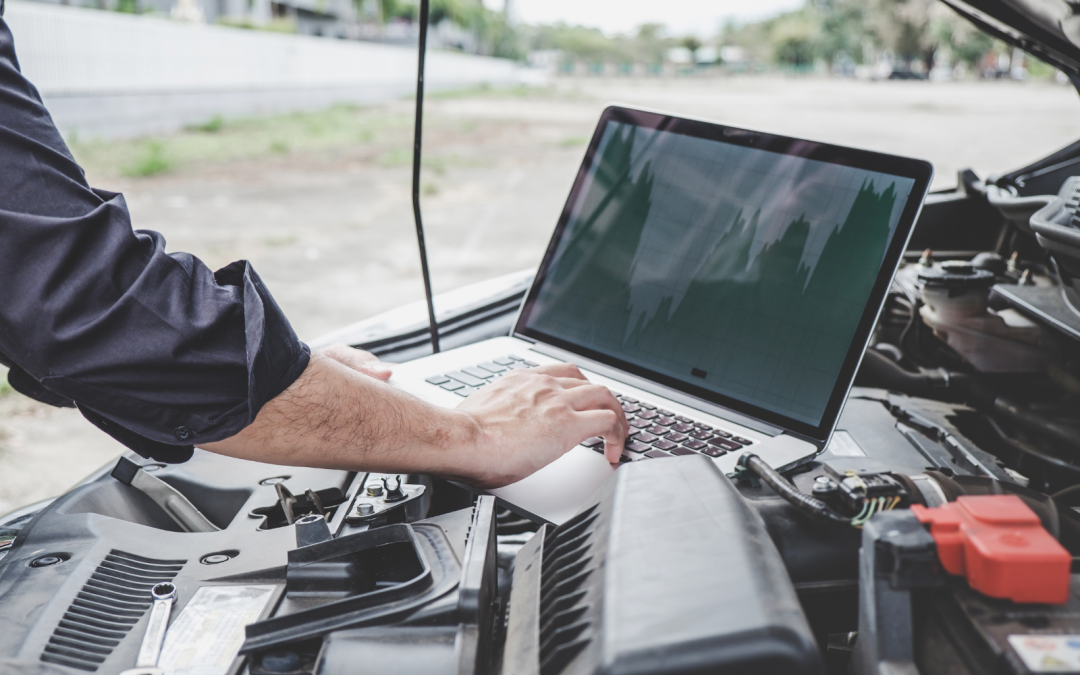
(183, 433)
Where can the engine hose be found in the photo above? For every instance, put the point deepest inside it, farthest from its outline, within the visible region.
(804, 502)
(1069, 497)
(878, 370)
(1036, 422)
(1029, 449)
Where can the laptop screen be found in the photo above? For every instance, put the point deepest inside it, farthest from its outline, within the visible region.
(733, 265)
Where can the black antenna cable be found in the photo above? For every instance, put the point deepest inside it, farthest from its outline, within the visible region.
(434, 326)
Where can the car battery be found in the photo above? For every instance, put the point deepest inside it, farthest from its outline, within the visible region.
(1000, 546)
(1010, 604)
(959, 630)
(995, 595)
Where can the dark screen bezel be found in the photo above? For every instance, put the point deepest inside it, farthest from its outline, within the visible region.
(920, 171)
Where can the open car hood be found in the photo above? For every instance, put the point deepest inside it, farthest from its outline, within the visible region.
(1047, 29)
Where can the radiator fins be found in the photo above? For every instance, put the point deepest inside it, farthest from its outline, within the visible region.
(109, 604)
(564, 617)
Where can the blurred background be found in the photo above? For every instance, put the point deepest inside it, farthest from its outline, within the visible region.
(281, 132)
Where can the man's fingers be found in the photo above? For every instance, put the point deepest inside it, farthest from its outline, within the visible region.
(359, 360)
(613, 449)
(591, 396)
(564, 381)
(598, 397)
(605, 423)
(378, 372)
(596, 411)
(559, 370)
(573, 383)
(602, 414)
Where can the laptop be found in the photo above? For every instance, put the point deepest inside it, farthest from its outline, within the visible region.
(722, 282)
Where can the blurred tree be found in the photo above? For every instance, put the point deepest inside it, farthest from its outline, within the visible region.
(861, 30)
(904, 27)
(494, 34)
(465, 13)
(795, 38)
(650, 44)
(692, 45)
(842, 29)
(498, 37)
(847, 32)
(396, 9)
(583, 43)
(753, 37)
(966, 43)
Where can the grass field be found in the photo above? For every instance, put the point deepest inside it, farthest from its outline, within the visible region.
(386, 132)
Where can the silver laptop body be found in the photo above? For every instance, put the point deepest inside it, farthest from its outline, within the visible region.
(722, 282)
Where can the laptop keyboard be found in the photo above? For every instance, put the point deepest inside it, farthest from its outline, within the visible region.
(654, 431)
(468, 381)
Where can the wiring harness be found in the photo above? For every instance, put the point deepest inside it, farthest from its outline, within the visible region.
(875, 494)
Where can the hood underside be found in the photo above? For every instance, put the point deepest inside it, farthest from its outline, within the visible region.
(1047, 29)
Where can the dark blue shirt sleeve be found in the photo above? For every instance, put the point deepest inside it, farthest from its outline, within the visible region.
(154, 348)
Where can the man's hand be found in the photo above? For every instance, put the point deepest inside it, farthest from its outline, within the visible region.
(359, 360)
(341, 414)
(530, 418)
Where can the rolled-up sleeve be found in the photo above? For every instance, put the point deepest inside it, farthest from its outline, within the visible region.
(153, 347)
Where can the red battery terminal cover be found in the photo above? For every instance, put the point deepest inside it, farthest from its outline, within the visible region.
(999, 544)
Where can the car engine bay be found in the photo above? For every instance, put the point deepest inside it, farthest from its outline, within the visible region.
(969, 389)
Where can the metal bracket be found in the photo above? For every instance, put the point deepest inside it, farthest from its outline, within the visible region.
(381, 494)
(897, 555)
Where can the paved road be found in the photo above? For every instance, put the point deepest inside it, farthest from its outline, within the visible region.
(333, 237)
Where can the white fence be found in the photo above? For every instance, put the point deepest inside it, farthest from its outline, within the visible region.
(110, 74)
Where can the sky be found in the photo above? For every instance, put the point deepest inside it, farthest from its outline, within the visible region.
(702, 17)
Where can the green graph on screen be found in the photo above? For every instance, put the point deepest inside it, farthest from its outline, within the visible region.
(676, 259)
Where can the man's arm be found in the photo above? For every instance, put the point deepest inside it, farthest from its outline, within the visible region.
(163, 354)
(153, 347)
(342, 414)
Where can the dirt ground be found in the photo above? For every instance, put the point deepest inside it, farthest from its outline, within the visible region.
(329, 227)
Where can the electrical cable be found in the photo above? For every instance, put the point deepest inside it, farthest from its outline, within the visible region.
(874, 506)
(752, 464)
(417, 134)
(805, 503)
(865, 506)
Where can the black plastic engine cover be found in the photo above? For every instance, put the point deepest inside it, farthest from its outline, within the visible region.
(668, 571)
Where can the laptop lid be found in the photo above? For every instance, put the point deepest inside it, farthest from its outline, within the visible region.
(741, 268)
